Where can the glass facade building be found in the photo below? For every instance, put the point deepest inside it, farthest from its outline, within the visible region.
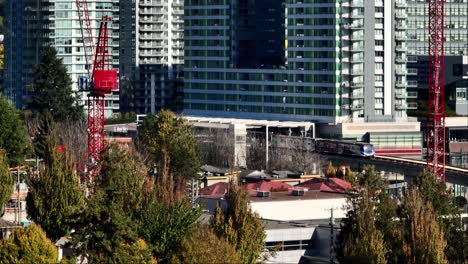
(455, 47)
(295, 60)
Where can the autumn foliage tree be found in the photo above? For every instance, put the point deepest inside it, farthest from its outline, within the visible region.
(330, 172)
(28, 245)
(424, 240)
(239, 225)
(203, 246)
(435, 192)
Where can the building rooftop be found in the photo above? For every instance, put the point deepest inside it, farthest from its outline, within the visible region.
(250, 123)
(288, 196)
(276, 224)
(327, 185)
(217, 189)
(270, 186)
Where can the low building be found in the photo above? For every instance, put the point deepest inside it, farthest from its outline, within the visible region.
(300, 223)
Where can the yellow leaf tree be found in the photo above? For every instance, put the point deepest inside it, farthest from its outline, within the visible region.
(28, 245)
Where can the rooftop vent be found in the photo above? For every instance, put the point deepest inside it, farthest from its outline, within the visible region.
(298, 192)
(263, 194)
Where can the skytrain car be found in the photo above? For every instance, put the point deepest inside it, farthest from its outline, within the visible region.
(341, 147)
(344, 147)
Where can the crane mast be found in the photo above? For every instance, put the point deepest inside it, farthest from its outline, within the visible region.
(435, 131)
(101, 80)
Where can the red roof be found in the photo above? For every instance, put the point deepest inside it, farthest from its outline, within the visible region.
(326, 185)
(271, 186)
(219, 188)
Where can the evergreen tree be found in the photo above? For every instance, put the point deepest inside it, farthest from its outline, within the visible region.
(166, 225)
(51, 89)
(174, 150)
(6, 181)
(107, 228)
(424, 240)
(28, 245)
(203, 246)
(45, 130)
(240, 226)
(13, 138)
(55, 194)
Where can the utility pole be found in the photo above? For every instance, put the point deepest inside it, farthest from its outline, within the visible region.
(266, 150)
(18, 216)
(332, 236)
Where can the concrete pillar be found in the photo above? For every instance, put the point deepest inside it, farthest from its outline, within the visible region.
(239, 132)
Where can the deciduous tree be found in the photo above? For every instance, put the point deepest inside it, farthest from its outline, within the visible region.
(239, 225)
(424, 240)
(203, 246)
(174, 151)
(331, 171)
(434, 191)
(28, 245)
(51, 89)
(13, 137)
(361, 240)
(55, 195)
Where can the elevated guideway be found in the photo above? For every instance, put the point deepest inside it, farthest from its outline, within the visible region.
(408, 167)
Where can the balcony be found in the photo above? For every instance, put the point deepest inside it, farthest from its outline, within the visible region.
(412, 84)
(400, 48)
(400, 106)
(357, 84)
(357, 107)
(151, 3)
(400, 59)
(412, 105)
(356, 3)
(400, 95)
(412, 95)
(412, 71)
(401, 84)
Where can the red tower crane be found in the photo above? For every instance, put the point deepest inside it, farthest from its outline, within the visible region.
(435, 131)
(101, 80)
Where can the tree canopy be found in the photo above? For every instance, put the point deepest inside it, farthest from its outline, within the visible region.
(13, 138)
(166, 225)
(28, 245)
(106, 230)
(6, 181)
(51, 89)
(55, 195)
(362, 241)
(203, 246)
(174, 151)
(240, 226)
(424, 240)
(406, 229)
